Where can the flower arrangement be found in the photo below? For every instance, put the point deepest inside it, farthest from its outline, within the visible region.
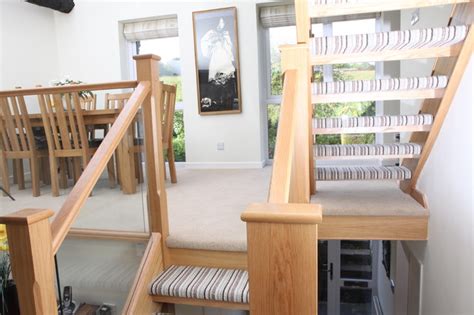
(8, 295)
(68, 81)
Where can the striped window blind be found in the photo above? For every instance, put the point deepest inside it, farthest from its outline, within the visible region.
(150, 29)
(275, 16)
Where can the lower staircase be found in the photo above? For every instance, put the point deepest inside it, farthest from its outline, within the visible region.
(226, 288)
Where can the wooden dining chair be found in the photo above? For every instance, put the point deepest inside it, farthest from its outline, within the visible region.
(66, 136)
(88, 102)
(168, 103)
(18, 142)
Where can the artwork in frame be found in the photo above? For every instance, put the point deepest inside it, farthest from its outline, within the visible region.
(216, 50)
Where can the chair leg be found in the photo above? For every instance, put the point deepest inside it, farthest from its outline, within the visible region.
(35, 176)
(77, 169)
(4, 173)
(111, 172)
(53, 166)
(20, 174)
(45, 174)
(63, 173)
(171, 163)
(139, 168)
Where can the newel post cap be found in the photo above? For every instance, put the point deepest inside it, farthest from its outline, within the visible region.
(289, 213)
(27, 216)
(147, 56)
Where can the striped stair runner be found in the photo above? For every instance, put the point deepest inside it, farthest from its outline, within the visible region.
(395, 40)
(381, 85)
(373, 121)
(334, 173)
(366, 150)
(203, 283)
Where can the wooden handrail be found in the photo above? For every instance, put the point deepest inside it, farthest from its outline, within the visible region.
(81, 191)
(283, 158)
(70, 88)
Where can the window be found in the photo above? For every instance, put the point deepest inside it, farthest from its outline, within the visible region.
(170, 64)
(170, 73)
(355, 71)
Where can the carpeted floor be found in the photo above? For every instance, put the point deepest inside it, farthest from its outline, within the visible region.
(204, 207)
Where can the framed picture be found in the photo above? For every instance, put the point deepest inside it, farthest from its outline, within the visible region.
(216, 50)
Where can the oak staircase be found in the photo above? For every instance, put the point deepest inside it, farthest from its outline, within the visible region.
(278, 273)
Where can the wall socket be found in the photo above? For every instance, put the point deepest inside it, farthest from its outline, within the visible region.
(220, 146)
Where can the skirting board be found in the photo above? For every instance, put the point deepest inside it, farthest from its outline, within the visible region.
(225, 165)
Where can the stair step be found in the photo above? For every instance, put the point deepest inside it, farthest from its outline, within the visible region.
(381, 89)
(202, 283)
(369, 124)
(326, 8)
(337, 173)
(357, 151)
(362, 252)
(394, 45)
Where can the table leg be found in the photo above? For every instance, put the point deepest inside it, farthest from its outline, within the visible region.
(127, 164)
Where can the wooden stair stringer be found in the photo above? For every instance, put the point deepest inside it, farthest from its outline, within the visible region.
(454, 68)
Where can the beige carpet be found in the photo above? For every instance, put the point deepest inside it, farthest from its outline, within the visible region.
(205, 205)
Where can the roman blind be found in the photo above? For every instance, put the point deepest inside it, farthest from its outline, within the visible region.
(280, 15)
(149, 29)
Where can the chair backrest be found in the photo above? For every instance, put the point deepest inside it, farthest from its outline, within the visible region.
(15, 126)
(116, 101)
(63, 121)
(89, 102)
(168, 103)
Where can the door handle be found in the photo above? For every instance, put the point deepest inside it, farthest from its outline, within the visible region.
(330, 270)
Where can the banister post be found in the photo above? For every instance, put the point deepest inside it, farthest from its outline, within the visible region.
(147, 70)
(282, 258)
(31, 257)
(297, 57)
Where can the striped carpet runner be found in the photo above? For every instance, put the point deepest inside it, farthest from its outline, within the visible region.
(392, 84)
(373, 121)
(395, 40)
(326, 150)
(214, 284)
(362, 173)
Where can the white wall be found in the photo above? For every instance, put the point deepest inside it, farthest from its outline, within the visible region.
(28, 52)
(447, 181)
(91, 45)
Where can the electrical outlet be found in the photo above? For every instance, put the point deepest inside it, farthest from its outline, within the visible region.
(220, 146)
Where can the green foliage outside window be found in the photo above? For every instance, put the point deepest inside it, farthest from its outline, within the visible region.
(362, 71)
(178, 137)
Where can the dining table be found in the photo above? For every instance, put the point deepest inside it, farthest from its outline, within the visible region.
(125, 153)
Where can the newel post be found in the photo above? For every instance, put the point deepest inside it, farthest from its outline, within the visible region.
(31, 257)
(297, 57)
(282, 258)
(148, 70)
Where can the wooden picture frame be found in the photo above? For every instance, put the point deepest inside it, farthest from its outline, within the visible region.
(216, 52)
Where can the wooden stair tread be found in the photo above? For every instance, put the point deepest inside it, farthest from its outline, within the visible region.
(369, 124)
(202, 286)
(338, 173)
(379, 89)
(366, 151)
(319, 9)
(394, 45)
